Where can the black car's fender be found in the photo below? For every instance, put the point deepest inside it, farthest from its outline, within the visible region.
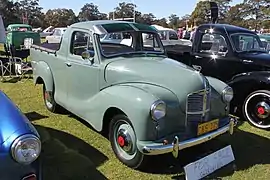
(245, 83)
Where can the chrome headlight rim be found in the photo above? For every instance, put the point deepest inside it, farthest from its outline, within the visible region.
(21, 139)
(154, 107)
(227, 91)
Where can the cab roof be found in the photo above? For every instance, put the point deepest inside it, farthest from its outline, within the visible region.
(226, 28)
(20, 25)
(111, 26)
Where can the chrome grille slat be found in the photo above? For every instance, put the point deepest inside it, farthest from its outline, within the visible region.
(198, 104)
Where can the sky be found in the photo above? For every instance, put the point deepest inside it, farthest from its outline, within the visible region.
(159, 8)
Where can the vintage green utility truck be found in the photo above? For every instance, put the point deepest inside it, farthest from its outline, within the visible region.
(17, 33)
(149, 104)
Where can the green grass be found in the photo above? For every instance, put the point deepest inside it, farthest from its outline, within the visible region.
(71, 150)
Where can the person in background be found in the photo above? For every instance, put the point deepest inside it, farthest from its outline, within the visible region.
(186, 35)
(184, 32)
(192, 34)
(180, 33)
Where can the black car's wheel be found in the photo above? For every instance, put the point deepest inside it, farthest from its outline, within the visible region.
(123, 141)
(256, 109)
(49, 101)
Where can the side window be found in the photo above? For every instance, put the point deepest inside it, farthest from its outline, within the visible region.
(80, 42)
(213, 43)
(173, 35)
(57, 32)
(150, 42)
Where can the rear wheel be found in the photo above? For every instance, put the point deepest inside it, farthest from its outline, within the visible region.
(256, 109)
(123, 141)
(49, 101)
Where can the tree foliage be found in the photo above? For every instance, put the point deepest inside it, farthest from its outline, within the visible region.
(248, 13)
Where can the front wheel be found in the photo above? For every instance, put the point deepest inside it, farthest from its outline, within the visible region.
(256, 109)
(123, 141)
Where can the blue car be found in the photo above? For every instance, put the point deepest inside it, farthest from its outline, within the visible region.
(20, 144)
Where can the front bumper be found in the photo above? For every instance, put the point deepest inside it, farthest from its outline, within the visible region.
(175, 146)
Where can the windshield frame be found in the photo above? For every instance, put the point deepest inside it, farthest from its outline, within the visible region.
(247, 34)
(162, 53)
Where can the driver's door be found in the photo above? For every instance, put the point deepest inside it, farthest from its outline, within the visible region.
(83, 75)
(214, 58)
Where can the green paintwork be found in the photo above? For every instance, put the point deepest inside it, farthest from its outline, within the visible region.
(130, 84)
(16, 38)
(265, 37)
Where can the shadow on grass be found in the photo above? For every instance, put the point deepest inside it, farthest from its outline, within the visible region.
(66, 157)
(34, 116)
(249, 150)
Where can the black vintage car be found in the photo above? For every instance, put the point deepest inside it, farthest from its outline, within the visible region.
(238, 57)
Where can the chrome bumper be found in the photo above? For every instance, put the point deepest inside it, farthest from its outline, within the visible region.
(175, 146)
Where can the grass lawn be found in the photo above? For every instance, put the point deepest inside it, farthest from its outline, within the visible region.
(71, 150)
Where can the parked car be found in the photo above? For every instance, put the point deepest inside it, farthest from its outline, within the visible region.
(56, 35)
(20, 145)
(265, 38)
(238, 57)
(17, 33)
(149, 104)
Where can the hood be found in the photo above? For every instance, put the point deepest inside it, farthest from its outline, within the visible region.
(256, 58)
(12, 119)
(175, 76)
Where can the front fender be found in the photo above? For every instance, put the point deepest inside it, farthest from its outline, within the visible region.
(133, 101)
(218, 107)
(42, 70)
(257, 76)
(245, 83)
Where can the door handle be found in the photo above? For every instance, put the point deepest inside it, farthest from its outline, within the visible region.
(247, 61)
(68, 64)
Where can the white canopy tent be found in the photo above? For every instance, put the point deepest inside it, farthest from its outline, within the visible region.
(160, 28)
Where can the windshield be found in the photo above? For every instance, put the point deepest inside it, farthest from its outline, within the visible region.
(130, 42)
(247, 43)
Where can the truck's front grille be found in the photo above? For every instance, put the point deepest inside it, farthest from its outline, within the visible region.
(198, 106)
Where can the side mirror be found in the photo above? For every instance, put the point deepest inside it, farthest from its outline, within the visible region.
(86, 55)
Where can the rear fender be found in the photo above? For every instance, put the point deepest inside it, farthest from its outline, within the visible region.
(43, 72)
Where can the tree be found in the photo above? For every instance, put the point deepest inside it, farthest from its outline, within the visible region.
(161, 22)
(32, 11)
(60, 17)
(184, 20)
(202, 10)
(146, 18)
(236, 16)
(174, 21)
(9, 11)
(257, 10)
(90, 12)
(124, 10)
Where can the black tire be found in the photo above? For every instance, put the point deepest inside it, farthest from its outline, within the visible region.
(137, 160)
(256, 109)
(49, 102)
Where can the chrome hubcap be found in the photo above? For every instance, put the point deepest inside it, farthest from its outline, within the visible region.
(48, 99)
(263, 110)
(124, 138)
(257, 109)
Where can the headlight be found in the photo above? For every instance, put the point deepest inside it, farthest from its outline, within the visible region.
(158, 110)
(26, 149)
(227, 94)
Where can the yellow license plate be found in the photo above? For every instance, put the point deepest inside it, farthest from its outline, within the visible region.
(207, 127)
